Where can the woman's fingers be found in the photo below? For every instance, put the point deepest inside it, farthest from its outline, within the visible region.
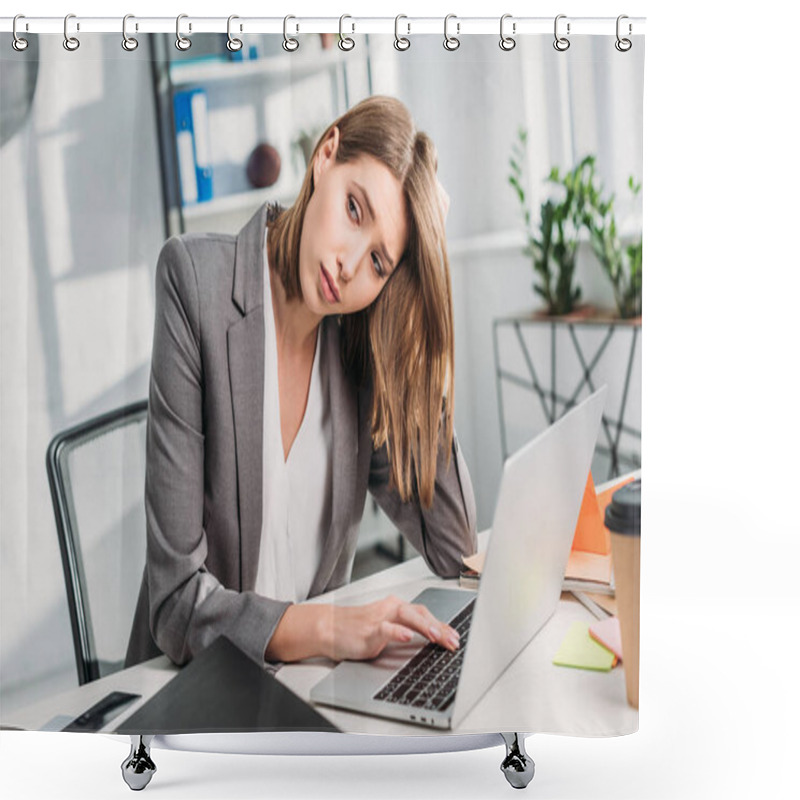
(392, 632)
(361, 632)
(422, 620)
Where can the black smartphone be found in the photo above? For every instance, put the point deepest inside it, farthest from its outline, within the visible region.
(102, 712)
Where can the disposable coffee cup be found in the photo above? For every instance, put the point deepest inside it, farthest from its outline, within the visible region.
(623, 519)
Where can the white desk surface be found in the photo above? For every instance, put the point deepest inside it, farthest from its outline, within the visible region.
(532, 695)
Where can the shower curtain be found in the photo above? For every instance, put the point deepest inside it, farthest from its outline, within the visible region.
(108, 153)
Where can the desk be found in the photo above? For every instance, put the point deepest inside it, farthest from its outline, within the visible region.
(532, 695)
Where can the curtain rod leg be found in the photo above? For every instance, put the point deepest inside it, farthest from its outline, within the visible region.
(518, 766)
(138, 768)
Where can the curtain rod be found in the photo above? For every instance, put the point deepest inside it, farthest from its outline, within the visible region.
(407, 26)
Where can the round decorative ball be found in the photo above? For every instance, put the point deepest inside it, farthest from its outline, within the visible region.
(263, 166)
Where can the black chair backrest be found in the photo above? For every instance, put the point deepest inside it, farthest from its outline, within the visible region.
(96, 475)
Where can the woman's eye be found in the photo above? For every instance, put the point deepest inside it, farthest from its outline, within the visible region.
(352, 208)
(376, 262)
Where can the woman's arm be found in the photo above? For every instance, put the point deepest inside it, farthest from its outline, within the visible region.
(445, 531)
(189, 607)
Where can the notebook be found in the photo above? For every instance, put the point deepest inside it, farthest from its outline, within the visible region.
(222, 689)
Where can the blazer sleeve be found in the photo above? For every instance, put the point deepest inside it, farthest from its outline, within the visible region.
(189, 607)
(445, 531)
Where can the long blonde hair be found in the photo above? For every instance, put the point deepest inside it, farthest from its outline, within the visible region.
(403, 342)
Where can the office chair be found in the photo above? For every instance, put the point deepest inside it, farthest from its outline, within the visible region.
(96, 473)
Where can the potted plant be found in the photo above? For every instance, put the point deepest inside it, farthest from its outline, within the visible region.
(622, 264)
(553, 247)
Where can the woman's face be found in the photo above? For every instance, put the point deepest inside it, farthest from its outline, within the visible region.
(354, 232)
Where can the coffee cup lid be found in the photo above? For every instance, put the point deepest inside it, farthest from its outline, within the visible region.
(624, 512)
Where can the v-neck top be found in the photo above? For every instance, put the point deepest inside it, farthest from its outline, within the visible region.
(297, 492)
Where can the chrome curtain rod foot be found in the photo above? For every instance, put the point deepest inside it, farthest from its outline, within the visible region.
(138, 768)
(517, 766)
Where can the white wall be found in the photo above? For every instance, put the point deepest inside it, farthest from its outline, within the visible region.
(80, 229)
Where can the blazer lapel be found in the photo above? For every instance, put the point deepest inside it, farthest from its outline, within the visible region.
(246, 368)
(344, 423)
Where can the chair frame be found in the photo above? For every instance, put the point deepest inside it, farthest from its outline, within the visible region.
(69, 543)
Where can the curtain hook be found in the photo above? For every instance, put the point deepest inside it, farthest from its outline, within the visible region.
(400, 42)
(18, 43)
(561, 43)
(70, 42)
(507, 42)
(623, 45)
(345, 42)
(234, 45)
(181, 42)
(451, 42)
(290, 44)
(128, 42)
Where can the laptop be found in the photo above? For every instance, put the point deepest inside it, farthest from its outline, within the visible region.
(534, 524)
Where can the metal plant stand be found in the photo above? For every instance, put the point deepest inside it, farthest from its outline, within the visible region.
(555, 404)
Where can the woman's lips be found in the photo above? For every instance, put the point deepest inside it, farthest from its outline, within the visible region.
(328, 287)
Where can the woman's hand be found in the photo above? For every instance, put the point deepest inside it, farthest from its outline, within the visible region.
(353, 632)
(362, 632)
(444, 199)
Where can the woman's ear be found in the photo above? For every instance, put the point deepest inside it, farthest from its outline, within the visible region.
(326, 154)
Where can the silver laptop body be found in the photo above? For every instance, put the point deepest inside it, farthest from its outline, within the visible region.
(534, 523)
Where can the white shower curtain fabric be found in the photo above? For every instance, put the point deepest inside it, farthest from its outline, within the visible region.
(107, 154)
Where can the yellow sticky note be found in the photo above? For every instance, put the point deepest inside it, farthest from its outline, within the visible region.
(579, 650)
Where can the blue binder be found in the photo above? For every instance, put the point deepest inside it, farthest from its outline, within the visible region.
(192, 145)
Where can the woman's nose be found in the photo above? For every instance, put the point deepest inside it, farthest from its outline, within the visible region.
(350, 260)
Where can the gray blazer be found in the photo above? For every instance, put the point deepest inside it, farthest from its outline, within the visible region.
(203, 485)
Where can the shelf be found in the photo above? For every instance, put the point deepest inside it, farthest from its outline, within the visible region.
(235, 202)
(515, 239)
(284, 66)
(486, 243)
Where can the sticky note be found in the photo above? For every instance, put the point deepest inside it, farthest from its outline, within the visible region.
(607, 632)
(579, 650)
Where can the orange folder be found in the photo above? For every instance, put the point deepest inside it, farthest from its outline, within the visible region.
(591, 534)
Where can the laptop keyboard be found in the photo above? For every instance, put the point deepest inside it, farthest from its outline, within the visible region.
(429, 680)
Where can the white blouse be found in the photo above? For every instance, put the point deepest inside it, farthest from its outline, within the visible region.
(297, 493)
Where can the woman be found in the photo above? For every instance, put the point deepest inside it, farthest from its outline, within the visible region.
(294, 367)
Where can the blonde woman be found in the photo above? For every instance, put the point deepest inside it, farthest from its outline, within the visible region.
(295, 367)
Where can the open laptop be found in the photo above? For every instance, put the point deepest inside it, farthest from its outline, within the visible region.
(534, 524)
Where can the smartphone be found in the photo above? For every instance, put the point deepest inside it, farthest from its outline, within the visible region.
(102, 712)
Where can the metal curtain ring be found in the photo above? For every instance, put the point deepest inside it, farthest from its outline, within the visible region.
(18, 43)
(623, 45)
(451, 42)
(181, 42)
(345, 42)
(128, 42)
(507, 42)
(234, 45)
(290, 44)
(400, 42)
(561, 43)
(70, 42)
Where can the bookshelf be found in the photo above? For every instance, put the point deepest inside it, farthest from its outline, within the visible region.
(282, 99)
